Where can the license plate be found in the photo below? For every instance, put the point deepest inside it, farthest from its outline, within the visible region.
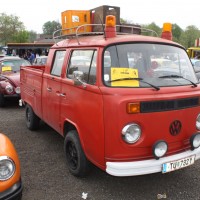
(178, 164)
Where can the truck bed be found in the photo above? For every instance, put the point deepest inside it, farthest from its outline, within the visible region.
(31, 86)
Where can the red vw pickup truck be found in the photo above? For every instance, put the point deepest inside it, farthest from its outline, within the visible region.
(129, 104)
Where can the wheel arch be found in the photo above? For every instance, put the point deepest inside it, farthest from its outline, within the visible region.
(69, 126)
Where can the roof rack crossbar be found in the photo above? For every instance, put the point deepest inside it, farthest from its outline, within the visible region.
(77, 33)
(144, 30)
(74, 32)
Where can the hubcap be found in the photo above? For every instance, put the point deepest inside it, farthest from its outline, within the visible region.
(72, 155)
(28, 115)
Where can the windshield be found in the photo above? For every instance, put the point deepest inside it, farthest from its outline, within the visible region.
(147, 65)
(12, 65)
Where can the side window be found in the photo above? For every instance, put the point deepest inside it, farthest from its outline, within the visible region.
(84, 61)
(58, 62)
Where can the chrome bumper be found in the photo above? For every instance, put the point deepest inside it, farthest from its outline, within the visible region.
(146, 166)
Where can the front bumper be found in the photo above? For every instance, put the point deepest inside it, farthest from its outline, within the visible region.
(146, 166)
(12, 95)
(13, 193)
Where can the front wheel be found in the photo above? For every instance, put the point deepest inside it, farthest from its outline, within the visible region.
(32, 120)
(77, 162)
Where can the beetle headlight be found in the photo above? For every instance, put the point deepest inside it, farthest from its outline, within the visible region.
(9, 89)
(160, 149)
(198, 122)
(7, 168)
(131, 133)
(195, 141)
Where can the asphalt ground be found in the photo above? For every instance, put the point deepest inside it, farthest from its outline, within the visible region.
(45, 175)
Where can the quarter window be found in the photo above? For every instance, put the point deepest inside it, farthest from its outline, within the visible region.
(58, 63)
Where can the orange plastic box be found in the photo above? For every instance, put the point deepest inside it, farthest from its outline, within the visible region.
(74, 18)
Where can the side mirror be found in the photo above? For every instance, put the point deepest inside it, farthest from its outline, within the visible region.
(78, 78)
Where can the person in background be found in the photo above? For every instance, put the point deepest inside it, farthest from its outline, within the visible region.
(31, 57)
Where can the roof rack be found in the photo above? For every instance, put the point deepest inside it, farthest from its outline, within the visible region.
(75, 31)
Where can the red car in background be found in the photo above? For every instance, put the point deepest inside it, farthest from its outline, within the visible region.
(10, 77)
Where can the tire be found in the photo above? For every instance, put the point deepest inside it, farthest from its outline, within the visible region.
(32, 120)
(2, 100)
(77, 162)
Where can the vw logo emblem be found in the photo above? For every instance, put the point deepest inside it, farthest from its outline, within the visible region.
(175, 127)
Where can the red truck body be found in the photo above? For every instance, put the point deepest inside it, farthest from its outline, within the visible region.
(98, 110)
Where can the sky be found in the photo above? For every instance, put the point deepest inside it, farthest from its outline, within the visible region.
(37, 12)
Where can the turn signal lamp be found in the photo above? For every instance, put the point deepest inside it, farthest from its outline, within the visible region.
(110, 29)
(133, 108)
(167, 31)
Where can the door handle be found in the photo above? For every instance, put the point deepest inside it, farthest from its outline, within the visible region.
(62, 94)
(49, 89)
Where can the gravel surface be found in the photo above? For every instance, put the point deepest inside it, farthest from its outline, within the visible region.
(45, 175)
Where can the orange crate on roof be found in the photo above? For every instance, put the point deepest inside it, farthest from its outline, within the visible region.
(74, 18)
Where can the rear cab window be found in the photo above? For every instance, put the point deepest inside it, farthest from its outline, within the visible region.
(58, 63)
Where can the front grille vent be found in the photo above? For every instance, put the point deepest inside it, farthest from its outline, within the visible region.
(176, 104)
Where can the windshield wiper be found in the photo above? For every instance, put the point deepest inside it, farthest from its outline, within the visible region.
(135, 79)
(177, 76)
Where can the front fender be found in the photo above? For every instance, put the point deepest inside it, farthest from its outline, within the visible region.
(7, 149)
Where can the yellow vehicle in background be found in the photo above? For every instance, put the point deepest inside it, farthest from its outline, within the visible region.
(194, 52)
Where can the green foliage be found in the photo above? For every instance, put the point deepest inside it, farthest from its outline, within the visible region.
(189, 36)
(32, 36)
(9, 27)
(21, 37)
(51, 26)
(152, 27)
(176, 32)
(125, 21)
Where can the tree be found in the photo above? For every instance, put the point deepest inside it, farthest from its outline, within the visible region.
(51, 26)
(125, 21)
(32, 36)
(9, 26)
(176, 32)
(153, 27)
(20, 37)
(189, 36)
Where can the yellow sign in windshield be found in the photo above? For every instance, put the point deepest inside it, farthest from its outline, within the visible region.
(6, 68)
(118, 74)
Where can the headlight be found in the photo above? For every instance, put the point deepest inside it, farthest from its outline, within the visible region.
(131, 133)
(9, 89)
(17, 90)
(160, 149)
(195, 141)
(198, 122)
(7, 168)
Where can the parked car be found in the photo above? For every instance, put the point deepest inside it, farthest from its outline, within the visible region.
(2, 55)
(10, 77)
(10, 175)
(40, 60)
(196, 63)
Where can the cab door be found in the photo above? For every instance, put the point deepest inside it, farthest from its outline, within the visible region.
(52, 91)
(82, 103)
